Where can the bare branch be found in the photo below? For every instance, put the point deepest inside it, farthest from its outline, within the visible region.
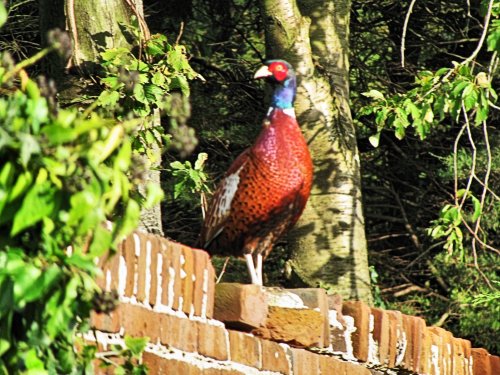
(405, 27)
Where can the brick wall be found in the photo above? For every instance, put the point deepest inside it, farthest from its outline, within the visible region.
(167, 292)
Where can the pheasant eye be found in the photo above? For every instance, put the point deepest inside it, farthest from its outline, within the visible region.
(279, 71)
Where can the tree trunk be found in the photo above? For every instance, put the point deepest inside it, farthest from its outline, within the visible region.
(94, 26)
(328, 243)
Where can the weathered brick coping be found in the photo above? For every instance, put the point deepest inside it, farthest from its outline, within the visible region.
(167, 293)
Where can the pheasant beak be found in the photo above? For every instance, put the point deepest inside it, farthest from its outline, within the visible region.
(263, 72)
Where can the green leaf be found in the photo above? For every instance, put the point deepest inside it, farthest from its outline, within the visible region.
(381, 116)
(139, 93)
(200, 161)
(3, 14)
(154, 195)
(29, 146)
(493, 40)
(26, 285)
(154, 93)
(477, 208)
(41, 201)
(375, 94)
(158, 79)
(114, 54)
(101, 241)
(180, 82)
(58, 134)
(108, 98)
(136, 345)
(459, 87)
(177, 165)
(374, 140)
(112, 81)
(7, 174)
(34, 364)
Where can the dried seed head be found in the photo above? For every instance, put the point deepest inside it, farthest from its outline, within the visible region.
(61, 41)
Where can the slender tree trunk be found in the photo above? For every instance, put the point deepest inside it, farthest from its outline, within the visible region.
(94, 26)
(328, 244)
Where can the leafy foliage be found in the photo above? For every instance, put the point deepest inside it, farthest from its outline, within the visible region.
(131, 355)
(139, 84)
(431, 183)
(63, 176)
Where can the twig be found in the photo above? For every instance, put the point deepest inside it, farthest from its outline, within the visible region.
(405, 27)
(181, 30)
(223, 270)
(442, 319)
(483, 35)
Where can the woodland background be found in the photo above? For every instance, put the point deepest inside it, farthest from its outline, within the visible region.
(422, 81)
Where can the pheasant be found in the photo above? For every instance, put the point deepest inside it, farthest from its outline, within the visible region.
(264, 192)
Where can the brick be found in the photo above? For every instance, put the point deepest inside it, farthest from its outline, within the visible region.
(426, 352)
(101, 279)
(140, 322)
(167, 295)
(381, 333)
(175, 252)
(201, 262)
(353, 369)
(444, 342)
(212, 341)
(244, 349)
(361, 314)
(174, 367)
(274, 357)
(448, 351)
(154, 363)
(335, 303)
(110, 322)
(408, 329)
(296, 327)
(434, 360)
(141, 267)
(210, 292)
(180, 333)
(481, 361)
(240, 306)
(458, 365)
(395, 336)
(304, 362)
(466, 346)
(495, 364)
(418, 337)
(330, 365)
(109, 265)
(337, 323)
(187, 284)
(153, 269)
(130, 261)
(222, 371)
(316, 298)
